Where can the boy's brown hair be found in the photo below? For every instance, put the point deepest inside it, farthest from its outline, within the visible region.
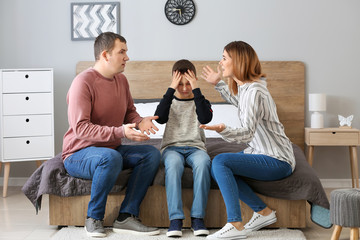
(183, 66)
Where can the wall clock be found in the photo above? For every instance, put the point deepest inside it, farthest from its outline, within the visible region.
(180, 12)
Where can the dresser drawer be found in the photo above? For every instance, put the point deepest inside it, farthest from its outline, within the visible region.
(28, 147)
(32, 103)
(334, 138)
(27, 125)
(27, 81)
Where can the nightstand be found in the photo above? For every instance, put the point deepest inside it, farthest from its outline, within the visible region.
(335, 137)
(26, 117)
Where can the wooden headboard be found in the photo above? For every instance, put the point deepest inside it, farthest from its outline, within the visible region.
(286, 83)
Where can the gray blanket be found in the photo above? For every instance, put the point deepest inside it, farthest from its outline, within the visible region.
(52, 178)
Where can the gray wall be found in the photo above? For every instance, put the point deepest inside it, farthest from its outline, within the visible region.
(324, 34)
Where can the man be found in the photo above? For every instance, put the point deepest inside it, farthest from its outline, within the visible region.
(100, 112)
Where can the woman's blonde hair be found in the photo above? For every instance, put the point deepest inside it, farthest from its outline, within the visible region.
(246, 64)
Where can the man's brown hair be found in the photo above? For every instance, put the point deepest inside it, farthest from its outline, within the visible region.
(105, 42)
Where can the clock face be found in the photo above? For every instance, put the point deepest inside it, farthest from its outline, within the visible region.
(180, 12)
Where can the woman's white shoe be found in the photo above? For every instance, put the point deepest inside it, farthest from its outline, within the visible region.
(259, 221)
(228, 232)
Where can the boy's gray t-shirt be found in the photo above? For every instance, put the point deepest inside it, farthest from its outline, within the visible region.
(182, 128)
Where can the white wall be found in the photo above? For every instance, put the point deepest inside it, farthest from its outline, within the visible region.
(324, 34)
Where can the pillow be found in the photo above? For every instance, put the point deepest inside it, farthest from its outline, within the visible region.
(148, 109)
(222, 113)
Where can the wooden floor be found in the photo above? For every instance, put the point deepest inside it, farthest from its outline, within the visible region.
(18, 220)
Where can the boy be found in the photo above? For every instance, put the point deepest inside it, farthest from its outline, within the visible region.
(183, 108)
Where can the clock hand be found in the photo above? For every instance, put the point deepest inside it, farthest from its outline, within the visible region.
(177, 9)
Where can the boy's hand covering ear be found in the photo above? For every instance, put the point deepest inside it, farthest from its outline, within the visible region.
(190, 76)
(175, 80)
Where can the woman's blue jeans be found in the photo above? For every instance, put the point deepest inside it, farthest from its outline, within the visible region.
(103, 165)
(175, 159)
(229, 168)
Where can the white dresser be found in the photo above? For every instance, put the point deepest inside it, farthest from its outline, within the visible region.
(26, 117)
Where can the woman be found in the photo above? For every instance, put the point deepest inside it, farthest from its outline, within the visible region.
(269, 154)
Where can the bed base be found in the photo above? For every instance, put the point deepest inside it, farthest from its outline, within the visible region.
(71, 211)
(286, 82)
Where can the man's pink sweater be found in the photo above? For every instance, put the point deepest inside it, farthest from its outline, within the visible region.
(97, 109)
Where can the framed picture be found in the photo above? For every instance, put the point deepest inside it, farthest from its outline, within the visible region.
(88, 20)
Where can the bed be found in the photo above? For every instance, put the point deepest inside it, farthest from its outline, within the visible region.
(68, 197)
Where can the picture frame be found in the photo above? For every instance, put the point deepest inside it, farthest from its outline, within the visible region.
(89, 19)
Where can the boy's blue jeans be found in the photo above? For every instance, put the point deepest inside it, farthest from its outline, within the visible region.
(103, 165)
(175, 159)
(229, 168)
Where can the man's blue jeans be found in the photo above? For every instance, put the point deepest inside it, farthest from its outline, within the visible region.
(175, 159)
(229, 168)
(103, 165)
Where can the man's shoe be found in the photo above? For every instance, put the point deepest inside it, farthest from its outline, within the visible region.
(259, 221)
(198, 227)
(175, 228)
(94, 228)
(228, 232)
(134, 226)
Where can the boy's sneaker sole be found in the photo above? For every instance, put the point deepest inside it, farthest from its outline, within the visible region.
(174, 233)
(201, 232)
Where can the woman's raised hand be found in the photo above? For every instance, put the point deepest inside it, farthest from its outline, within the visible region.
(210, 75)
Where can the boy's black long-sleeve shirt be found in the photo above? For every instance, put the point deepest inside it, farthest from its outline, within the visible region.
(203, 107)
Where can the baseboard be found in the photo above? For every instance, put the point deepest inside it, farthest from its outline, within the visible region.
(336, 183)
(326, 183)
(14, 181)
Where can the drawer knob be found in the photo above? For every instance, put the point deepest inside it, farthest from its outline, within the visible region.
(26, 76)
(27, 142)
(27, 98)
(27, 120)
(333, 132)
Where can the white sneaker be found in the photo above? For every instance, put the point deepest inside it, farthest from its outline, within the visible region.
(259, 221)
(228, 232)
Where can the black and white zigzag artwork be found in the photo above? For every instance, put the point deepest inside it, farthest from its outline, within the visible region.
(88, 20)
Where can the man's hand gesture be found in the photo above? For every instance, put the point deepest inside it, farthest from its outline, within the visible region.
(146, 125)
(134, 135)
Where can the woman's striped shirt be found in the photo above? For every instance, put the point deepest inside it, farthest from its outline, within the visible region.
(259, 125)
